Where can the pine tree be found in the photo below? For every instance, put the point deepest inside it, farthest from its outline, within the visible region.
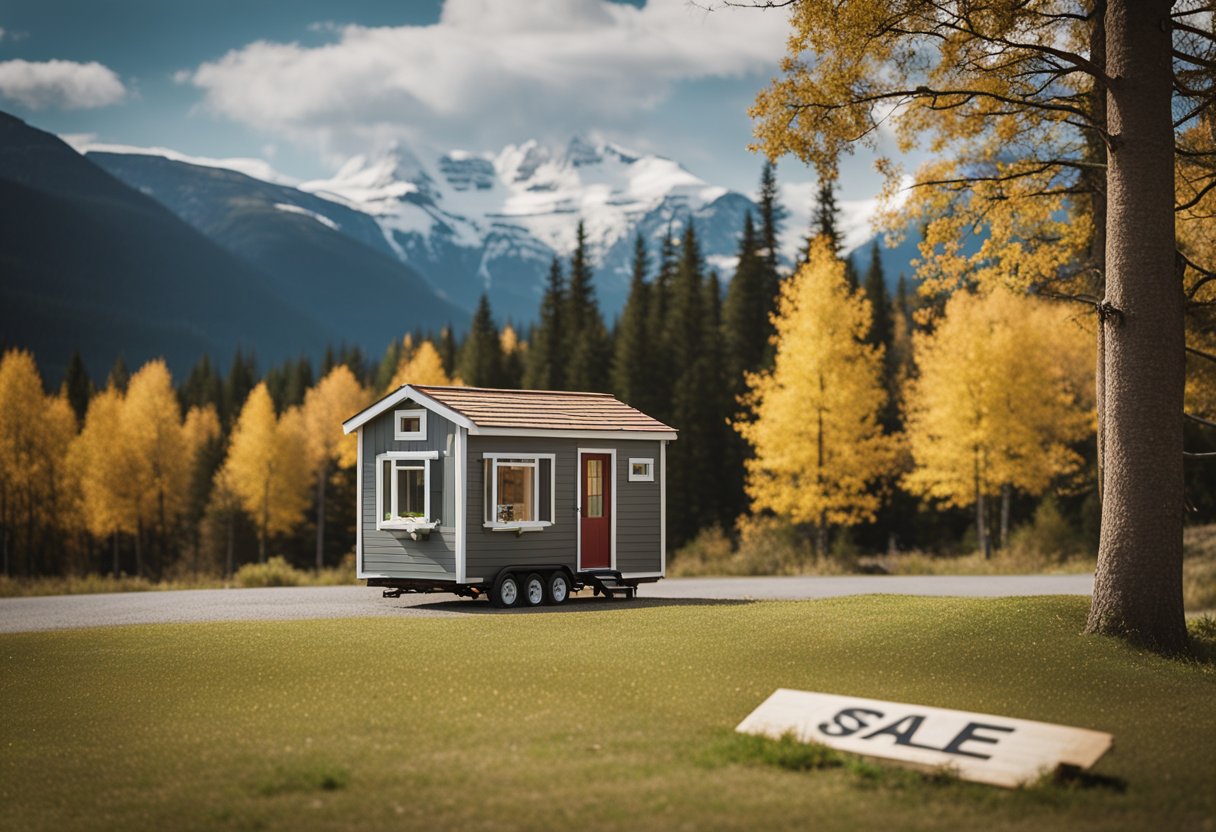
(632, 354)
(545, 366)
(815, 433)
(850, 273)
(772, 215)
(692, 489)
(447, 349)
(745, 334)
(119, 376)
(657, 389)
(825, 221)
(724, 493)
(203, 387)
(77, 385)
(588, 349)
(298, 379)
(514, 354)
(745, 312)
(242, 376)
(387, 368)
(481, 355)
(882, 328)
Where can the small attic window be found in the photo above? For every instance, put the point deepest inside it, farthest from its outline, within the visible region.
(409, 425)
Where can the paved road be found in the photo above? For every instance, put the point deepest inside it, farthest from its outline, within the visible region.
(69, 611)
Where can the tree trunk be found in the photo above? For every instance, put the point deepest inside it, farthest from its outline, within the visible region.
(139, 549)
(265, 524)
(1138, 583)
(322, 479)
(231, 544)
(114, 537)
(1005, 496)
(981, 510)
(1094, 181)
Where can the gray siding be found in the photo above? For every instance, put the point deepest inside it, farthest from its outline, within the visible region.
(393, 553)
(637, 509)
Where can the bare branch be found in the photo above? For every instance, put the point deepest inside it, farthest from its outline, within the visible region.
(1209, 356)
(1199, 420)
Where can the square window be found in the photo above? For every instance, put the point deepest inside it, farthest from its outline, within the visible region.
(403, 481)
(641, 470)
(518, 490)
(409, 425)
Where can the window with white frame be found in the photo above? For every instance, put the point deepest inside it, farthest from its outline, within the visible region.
(403, 490)
(409, 425)
(641, 470)
(519, 490)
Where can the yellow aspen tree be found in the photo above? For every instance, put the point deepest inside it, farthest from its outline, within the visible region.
(1196, 197)
(333, 400)
(22, 410)
(224, 504)
(61, 506)
(201, 425)
(152, 428)
(422, 365)
(1040, 142)
(267, 466)
(818, 446)
(104, 471)
(1001, 396)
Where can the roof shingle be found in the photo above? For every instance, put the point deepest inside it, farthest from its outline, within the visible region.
(542, 409)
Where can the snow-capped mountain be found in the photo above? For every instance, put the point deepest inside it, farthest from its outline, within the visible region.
(469, 223)
(493, 222)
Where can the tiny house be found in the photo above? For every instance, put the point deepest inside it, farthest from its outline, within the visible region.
(521, 495)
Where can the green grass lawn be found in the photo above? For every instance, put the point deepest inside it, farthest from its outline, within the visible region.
(598, 716)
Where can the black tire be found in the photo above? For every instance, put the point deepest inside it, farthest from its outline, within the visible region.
(533, 590)
(506, 592)
(557, 588)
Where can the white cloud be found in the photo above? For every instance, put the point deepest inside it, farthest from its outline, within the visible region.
(65, 85)
(488, 72)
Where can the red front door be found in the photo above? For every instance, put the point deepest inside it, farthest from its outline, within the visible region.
(596, 511)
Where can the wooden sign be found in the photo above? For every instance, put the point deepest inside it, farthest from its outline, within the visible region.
(987, 749)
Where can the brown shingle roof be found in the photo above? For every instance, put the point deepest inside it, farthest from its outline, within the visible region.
(542, 409)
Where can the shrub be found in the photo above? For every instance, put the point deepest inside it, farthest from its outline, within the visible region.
(1049, 536)
(274, 572)
(767, 546)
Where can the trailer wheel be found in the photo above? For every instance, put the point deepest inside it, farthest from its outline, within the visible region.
(506, 591)
(558, 588)
(534, 590)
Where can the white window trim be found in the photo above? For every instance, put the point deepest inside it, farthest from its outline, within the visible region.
(427, 522)
(522, 459)
(409, 435)
(649, 462)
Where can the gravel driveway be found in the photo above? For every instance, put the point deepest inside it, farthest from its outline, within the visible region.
(67, 611)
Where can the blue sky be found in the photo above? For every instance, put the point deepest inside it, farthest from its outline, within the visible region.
(308, 83)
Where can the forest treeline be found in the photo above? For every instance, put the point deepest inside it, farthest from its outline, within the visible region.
(864, 419)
